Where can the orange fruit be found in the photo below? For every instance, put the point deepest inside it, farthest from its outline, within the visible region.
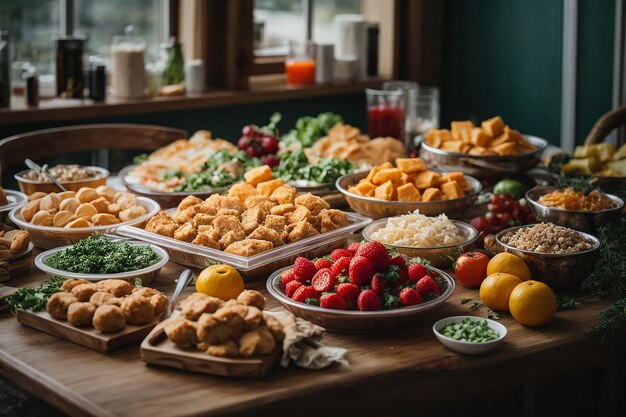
(509, 264)
(496, 289)
(221, 281)
(532, 303)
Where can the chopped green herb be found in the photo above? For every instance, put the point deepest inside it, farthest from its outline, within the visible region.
(469, 330)
(310, 129)
(295, 166)
(34, 299)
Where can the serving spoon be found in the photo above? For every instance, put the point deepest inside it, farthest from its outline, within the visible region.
(34, 166)
(183, 280)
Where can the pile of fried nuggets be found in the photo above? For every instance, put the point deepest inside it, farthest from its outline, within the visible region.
(257, 215)
(227, 329)
(107, 305)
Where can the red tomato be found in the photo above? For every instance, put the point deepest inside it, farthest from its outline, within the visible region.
(471, 269)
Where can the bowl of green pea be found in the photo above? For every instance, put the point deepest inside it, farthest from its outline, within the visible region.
(469, 335)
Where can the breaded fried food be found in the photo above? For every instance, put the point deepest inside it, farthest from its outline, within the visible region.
(186, 232)
(332, 219)
(252, 298)
(101, 298)
(182, 332)
(282, 209)
(274, 326)
(194, 308)
(108, 318)
(314, 203)
(301, 230)
(253, 215)
(162, 224)
(232, 203)
(284, 194)
(191, 299)
(205, 239)
(58, 304)
(204, 219)
(81, 313)
(299, 214)
(186, 215)
(138, 310)
(157, 298)
(83, 292)
(215, 332)
(277, 223)
(248, 247)
(189, 201)
(265, 233)
(225, 224)
(231, 237)
(233, 316)
(117, 287)
(228, 349)
(68, 284)
(259, 341)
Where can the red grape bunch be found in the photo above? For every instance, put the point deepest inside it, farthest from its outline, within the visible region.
(261, 142)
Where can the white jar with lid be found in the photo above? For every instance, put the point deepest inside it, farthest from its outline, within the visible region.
(128, 76)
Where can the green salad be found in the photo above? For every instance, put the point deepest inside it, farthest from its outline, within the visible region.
(309, 129)
(295, 167)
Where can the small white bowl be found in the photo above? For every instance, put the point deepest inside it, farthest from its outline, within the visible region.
(469, 348)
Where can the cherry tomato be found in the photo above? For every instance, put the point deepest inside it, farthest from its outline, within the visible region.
(471, 269)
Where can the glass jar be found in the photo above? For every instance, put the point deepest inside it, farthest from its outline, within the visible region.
(174, 64)
(128, 74)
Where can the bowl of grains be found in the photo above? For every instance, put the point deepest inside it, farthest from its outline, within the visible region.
(558, 256)
(574, 209)
(434, 238)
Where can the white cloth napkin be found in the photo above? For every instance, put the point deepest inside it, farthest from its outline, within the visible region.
(300, 347)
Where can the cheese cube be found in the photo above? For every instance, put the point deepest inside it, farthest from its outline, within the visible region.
(457, 177)
(408, 192)
(432, 194)
(506, 148)
(426, 179)
(494, 126)
(266, 188)
(410, 165)
(479, 138)
(452, 190)
(384, 175)
(364, 188)
(455, 146)
(258, 174)
(374, 171)
(385, 191)
(436, 137)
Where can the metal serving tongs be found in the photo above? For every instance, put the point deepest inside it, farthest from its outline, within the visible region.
(34, 166)
(183, 280)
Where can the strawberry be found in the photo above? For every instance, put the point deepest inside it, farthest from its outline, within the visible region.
(378, 284)
(324, 280)
(416, 272)
(304, 269)
(376, 253)
(340, 267)
(398, 261)
(286, 277)
(322, 263)
(291, 288)
(340, 253)
(360, 271)
(427, 285)
(333, 301)
(409, 297)
(368, 301)
(354, 247)
(304, 293)
(403, 278)
(349, 293)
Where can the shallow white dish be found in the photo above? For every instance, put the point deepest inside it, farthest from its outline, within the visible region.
(15, 199)
(469, 348)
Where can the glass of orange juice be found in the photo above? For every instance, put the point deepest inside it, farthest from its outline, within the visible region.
(300, 65)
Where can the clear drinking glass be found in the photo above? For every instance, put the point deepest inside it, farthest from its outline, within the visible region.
(386, 111)
(410, 90)
(300, 65)
(426, 110)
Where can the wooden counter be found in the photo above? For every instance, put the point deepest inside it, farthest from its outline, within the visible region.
(388, 372)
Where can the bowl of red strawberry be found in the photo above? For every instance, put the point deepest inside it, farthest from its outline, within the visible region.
(362, 288)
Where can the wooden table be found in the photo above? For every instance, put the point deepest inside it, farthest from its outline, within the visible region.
(398, 371)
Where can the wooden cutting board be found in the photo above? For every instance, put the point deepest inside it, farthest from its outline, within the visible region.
(157, 349)
(84, 336)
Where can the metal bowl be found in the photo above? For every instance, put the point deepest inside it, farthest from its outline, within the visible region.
(28, 186)
(440, 256)
(377, 209)
(483, 166)
(587, 221)
(559, 271)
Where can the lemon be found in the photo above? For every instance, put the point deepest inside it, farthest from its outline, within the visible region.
(509, 264)
(532, 303)
(221, 281)
(496, 290)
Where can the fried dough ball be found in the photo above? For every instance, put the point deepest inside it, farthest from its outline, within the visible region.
(259, 341)
(71, 283)
(138, 310)
(215, 332)
(108, 318)
(207, 304)
(191, 299)
(157, 298)
(117, 287)
(81, 313)
(182, 332)
(58, 303)
(274, 326)
(252, 298)
(101, 298)
(83, 292)
(228, 349)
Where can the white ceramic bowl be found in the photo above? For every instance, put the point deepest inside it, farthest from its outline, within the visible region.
(147, 275)
(469, 348)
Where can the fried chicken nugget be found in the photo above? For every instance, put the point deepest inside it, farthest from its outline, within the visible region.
(265, 233)
(182, 332)
(186, 232)
(276, 223)
(252, 298)
(259, 341)
(301, 230)
(162, 224)
(157, 298)
(108, 318)
(227, 349)
(117, 287)
(332, 219)
(138, 310)
(68, 284)
(193, 309)
(83, 292)
(314, 203)
(232, 237)
(249, 247)
(58, 304)
(80, 313)
(215, 332)
(101, 298)
(189, 201)
(274, 326)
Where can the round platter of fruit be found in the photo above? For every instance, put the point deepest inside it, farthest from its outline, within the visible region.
(362, 288)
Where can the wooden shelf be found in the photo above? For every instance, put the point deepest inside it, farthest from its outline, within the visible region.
(262, 89)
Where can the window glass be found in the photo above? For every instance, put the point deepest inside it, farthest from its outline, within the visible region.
(324, 12)
(276, 23)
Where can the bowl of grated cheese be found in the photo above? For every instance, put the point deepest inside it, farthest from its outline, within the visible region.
(434, 238)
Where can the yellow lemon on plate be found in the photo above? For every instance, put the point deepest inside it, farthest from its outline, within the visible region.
(221, 281)
(496, 290)
(509, 264)
(532, 303)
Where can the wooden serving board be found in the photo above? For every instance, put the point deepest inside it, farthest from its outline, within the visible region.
(157, 349)
(84, 336)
